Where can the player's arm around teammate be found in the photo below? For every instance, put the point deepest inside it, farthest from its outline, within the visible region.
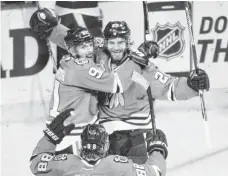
(171, 88)
(92, 75)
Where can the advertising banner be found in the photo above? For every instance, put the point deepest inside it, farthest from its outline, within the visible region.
(26, 70)
(211, 37)
(168, 25)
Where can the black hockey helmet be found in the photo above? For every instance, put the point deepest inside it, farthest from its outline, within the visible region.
(95, 143)
(77, 36)
(117, 29)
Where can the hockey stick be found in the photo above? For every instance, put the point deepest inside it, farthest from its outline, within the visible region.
(148, 89)
(203, 108)
(147, 35)
(138, 78)
(190, 29)
(51, 54)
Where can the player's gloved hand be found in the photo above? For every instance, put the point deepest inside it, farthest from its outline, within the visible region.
(157, 142)
(148, 49)
(198, 81)
(56, 130)
(43, 21)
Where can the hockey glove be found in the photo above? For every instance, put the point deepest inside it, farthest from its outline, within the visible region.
(139, 58)
(56, 130)
(149, 49)
(157, 142)
(43, 21)
(145, 51)
(198, 81)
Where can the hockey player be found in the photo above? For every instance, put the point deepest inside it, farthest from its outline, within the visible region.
(93, 160)
(130, 109)
(78, 78)
(134, 112)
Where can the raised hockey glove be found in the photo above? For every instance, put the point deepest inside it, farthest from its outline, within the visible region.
(149, 49)
(198, 81)
(146, 50)
(43, 21)
(56, 130)
(157, 142)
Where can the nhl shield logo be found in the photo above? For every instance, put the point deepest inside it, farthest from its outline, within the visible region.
(170, 40)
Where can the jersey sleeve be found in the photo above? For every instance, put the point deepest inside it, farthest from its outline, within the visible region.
(44, 163)
(155, 166)
(165, 86)
(94, 77)
(58, 34)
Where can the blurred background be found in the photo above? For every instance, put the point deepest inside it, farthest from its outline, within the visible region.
(27, 76)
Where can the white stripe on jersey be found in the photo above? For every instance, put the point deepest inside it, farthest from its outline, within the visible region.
(75, 148)
(157, 170)
(54, 111)
(171, 91)
(139, 115)
(143, 121)
(131, 124)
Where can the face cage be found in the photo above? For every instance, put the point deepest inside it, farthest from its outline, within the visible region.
(92, 156)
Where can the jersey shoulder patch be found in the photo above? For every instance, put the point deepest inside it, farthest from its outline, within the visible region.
(60, 157)
(120, 159)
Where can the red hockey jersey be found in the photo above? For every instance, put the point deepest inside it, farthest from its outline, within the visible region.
(131, 108)
(77, 83)
(45, 163)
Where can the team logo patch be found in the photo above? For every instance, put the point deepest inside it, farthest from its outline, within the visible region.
(60, 157)
(170, 40)
(120, 159)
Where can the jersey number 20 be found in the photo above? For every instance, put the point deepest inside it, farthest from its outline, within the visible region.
(161, 77)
